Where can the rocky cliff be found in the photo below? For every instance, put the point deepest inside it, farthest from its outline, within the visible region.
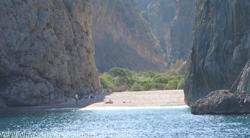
(46, 52)
(142, 34)
(171, 22)
(220, 53)
(123, 38)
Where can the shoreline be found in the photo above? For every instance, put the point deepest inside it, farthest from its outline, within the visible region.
(96, 108)
(133, 107)
(120, 100)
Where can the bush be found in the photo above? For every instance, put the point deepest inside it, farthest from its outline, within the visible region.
(136, 87)
(106, 81)
(120, 72)
(118, 81)
(159, 86)
(161, 78)
(181, 83)
(172, 85)
(146, 85)
(148, 74)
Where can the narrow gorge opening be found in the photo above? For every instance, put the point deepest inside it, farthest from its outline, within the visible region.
(142, 46)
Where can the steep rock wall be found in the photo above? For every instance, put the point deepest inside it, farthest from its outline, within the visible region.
(123, 38)
(46, 53)
(171, 22)
(221, 48)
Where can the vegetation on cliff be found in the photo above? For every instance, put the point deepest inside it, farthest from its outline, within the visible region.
(122, 79)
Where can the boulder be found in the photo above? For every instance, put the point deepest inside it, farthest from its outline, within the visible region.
(222, 102)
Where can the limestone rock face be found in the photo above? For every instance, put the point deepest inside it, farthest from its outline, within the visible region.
(221, 48)
(222, 102)
(47, 54)
(123, 38)
(171, 22)
(142, 34)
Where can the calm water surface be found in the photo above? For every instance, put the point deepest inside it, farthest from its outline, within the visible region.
(134, 123)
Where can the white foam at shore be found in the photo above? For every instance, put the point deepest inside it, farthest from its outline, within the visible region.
(131, 108)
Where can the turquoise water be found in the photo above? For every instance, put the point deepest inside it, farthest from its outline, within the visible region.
(134, 123)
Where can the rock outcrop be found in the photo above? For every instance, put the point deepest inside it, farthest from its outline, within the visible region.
(222, 102)
(221, 50)
(242, 84)
(47, 54)
(123, 38)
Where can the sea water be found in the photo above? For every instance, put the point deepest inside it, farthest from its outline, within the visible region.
(119, 123)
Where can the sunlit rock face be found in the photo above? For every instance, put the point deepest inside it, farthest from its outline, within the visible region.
(142, 34)
(47, 54)
(123, 38)
(221, 49)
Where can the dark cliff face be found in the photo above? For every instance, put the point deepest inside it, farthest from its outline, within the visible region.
(123, 38)
(46, 52)
(171, 22)
(221, 48)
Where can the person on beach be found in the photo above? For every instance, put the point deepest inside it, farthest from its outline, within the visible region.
(76, 98)
(91, 97)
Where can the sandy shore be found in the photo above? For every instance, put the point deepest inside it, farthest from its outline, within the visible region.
(141, 99)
